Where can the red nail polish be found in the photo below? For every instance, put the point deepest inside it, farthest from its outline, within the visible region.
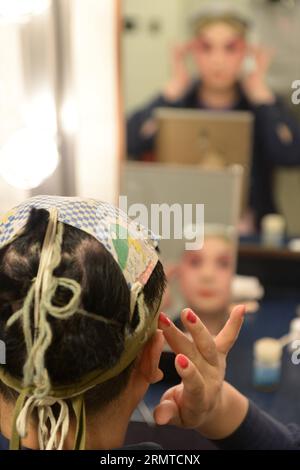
(191, 317)
(164, 319)
(182, 361)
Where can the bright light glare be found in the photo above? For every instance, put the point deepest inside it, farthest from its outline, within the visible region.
(69, 116)
(28, 158)
(39, 112)
(16, 10)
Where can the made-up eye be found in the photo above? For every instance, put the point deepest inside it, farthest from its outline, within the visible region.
(204, 46)
(231, 47)
(194, 261)
(224, 262)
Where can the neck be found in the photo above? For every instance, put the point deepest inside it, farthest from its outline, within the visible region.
(105, 430)
(218, 99)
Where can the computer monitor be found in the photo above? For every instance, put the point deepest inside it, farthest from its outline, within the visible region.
(210, 139)
(157, 183)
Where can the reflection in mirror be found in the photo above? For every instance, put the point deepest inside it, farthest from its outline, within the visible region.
(227, 58)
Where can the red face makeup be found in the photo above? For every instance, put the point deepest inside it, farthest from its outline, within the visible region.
(219, 51)
(235, 45)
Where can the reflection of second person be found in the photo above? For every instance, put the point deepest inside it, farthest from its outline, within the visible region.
(219, 49)
(205, 277)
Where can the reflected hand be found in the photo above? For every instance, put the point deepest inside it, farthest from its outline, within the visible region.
(180, 80)
(254, 83)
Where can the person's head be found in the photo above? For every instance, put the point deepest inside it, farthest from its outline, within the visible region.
(205, 275)
(220, 45)
(80, 344)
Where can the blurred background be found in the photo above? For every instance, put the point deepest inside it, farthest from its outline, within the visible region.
(60, 112)
(151, 30)
(127, 97)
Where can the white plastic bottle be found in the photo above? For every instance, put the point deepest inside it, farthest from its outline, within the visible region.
(267, 364)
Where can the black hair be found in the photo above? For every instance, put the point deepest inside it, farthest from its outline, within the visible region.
(79, 344)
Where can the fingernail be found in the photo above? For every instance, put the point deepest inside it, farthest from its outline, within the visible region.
(182, 361)
(191, 317)
(164, 319)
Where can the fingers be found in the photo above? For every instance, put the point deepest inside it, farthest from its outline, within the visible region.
(258, 50)
(167, 413)
(193, 383)
(191, 399)
(170, 393)
(176, 339)
(185, 47)
(263, 56)
(180, 51)
(228, 335)
(179, 405)
(191, 45)
(203, 340)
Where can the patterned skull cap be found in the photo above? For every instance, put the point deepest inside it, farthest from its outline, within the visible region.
(132, 245)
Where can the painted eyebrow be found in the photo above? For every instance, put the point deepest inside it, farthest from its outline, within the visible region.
(232, 42)
(193, 255)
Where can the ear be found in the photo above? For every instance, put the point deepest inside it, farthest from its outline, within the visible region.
(148, 364)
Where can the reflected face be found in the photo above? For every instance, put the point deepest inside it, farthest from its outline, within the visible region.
(205, 276)
(219, 51)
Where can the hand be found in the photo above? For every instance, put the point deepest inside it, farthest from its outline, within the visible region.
(203, 398)
(254, 83)
(180, 80)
